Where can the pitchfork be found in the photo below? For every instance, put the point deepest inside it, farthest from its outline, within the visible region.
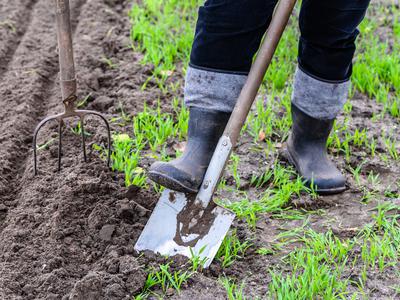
(68, 86)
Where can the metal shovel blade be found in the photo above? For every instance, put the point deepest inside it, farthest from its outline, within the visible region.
(179, 224)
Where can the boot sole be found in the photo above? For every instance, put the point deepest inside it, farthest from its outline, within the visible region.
(170, 183)
(331, 191)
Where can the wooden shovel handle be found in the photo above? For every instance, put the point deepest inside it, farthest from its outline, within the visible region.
(258, 69)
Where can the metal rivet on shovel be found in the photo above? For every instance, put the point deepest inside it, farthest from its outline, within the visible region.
(68, 87)
(206, 184)
(193, 223)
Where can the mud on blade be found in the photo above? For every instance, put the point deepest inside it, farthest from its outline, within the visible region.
(179, 223)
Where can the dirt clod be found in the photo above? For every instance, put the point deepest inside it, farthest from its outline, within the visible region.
(106, 232)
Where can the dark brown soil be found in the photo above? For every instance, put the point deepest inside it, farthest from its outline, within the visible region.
(70, 234)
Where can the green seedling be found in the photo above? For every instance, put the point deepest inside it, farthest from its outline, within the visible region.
(357, 173)
(197, 262)
(165, 279)
(265, 251)
(282, 187)
(231, 249)
(45, 145)
(317, 268)
(233, 291)
(234, 169)
(392, 147)
(367, 195)
(151, 130)
(372, 147)
(109, 62)
(77, 130)
(295, 214)
(125, 157)
(84, 101)
(373, 179)
(312, 279)
(376, 71)
(8, 24)
(261, 180)
(124, 118)
(168, 279)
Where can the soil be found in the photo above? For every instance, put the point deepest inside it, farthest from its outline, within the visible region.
(70, 234)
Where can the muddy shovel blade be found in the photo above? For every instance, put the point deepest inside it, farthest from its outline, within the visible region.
(180, 224)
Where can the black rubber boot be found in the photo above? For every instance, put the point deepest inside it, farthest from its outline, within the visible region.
(185, 174)
(307, 152)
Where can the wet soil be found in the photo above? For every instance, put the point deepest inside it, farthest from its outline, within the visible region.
(70, 234)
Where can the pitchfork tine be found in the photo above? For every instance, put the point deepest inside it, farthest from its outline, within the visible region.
(108, 133)
(59, 144)
(35, 134)
(83, 139)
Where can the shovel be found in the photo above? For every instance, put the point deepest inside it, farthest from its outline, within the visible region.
(193, 225)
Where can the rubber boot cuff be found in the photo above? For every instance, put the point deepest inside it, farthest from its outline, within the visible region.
(211, 90)
(317, 98)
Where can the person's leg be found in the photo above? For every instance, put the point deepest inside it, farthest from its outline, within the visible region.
(326, 49)
(228, 34)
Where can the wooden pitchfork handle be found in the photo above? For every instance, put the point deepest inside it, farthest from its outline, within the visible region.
(66, 54)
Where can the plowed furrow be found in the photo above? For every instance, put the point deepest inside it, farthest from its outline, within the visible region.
(15, 18)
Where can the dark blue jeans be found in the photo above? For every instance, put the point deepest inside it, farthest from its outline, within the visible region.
(229, 32)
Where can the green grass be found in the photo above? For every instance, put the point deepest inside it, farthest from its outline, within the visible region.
(151, 130)
(231, 249)
(278, 184)
(163, 30)
(376, 71)
(316, 269)
(163, 279)
(233, 290)
(197, 262)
